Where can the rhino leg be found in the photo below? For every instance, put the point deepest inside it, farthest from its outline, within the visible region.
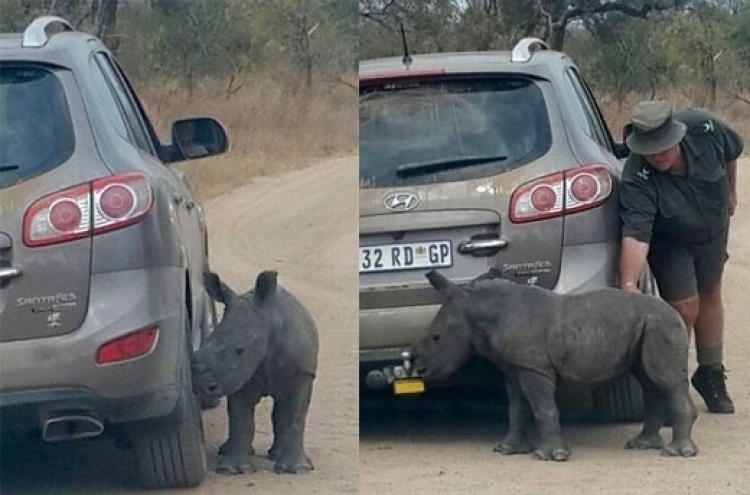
(655, 415)
(234, 454)
(539, 390)
(683, 414)
(289, 417)
(515, 442)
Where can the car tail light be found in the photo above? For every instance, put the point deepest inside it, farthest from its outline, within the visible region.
(401, 74)
(88, 209)
(563, 193)
(130, 346)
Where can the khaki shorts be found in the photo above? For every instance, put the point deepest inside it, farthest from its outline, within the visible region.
(683, 270)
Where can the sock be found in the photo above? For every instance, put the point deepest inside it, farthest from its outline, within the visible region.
(711, 357)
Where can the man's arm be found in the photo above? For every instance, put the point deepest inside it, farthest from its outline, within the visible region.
(731, 171)
(633, 255)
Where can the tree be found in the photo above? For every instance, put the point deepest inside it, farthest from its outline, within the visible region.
(95, 16)
(557, 15)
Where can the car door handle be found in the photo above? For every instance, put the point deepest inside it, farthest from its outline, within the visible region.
(7, 273)
(482, 245)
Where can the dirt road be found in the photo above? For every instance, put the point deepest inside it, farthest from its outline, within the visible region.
(303, 224)
(424, 451)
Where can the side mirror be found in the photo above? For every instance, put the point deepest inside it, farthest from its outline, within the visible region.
(198, 138)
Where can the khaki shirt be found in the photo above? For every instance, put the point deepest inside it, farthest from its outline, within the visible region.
(690, 208)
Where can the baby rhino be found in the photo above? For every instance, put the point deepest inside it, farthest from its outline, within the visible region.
(535, 336)
(265, 345)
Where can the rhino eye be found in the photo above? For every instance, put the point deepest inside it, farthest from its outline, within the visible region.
(239, 350)
(436, 338)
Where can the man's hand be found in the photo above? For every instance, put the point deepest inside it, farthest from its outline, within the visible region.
(633, 255)
(630, 287)
(732, 203)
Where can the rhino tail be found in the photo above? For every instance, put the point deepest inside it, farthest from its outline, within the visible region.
(265, 285)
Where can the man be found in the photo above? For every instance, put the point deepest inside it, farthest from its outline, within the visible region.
(678, 192)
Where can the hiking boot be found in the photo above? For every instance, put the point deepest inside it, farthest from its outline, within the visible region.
(710, 382)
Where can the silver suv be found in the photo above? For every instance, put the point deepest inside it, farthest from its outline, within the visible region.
(102, 253)
(479, 161)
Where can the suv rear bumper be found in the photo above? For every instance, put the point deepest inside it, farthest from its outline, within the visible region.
(27, 410)
(384, 333)
(45, 375)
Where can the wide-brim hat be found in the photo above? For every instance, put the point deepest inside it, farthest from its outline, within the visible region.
(653, 128)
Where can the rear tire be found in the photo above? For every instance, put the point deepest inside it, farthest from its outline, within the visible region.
(619, 401)
(172, 454)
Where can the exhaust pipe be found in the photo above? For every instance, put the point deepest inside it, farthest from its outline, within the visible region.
(73, 426)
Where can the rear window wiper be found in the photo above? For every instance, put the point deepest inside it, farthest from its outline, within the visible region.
(8, 168)
(417, 168)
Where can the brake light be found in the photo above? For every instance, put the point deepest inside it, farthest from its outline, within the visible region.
(117, 201)
(65, 215)
(400, 74)
(559, 194)
(130, 346)
(88, 209)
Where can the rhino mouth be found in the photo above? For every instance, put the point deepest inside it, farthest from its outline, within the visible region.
(206, 386)
(421, 369)
(212, 390)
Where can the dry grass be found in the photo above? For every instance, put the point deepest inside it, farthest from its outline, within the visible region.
(731, 110)
(272, 128)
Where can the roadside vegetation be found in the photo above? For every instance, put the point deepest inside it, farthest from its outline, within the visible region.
(280, 75)
(690, 52)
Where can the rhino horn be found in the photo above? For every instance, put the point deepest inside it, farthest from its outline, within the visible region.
(442, 284)
(265, 285)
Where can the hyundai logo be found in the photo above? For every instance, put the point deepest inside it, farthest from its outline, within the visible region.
(401, 201)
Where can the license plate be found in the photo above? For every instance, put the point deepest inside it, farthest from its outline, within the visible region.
(402, 387)
(389, 257)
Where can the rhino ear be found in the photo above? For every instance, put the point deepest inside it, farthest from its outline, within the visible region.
(265, 285)
(217, 289)
(443, 285)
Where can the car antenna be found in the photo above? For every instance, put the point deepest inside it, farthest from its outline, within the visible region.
(407, 58)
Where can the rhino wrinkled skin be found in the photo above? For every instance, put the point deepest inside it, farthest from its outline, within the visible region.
(265, 345)
(535, 336)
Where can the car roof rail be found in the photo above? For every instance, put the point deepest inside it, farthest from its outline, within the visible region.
(525, 48)
(36, 36)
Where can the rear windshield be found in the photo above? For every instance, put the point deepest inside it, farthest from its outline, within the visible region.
(36, 130)
(418, 132)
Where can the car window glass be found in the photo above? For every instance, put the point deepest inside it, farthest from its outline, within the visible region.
(596, 111)
(126, 102)
(108, 103)
(148, 126)
(571, 100)
(36, 128)
(449, 129)
(594, 125)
